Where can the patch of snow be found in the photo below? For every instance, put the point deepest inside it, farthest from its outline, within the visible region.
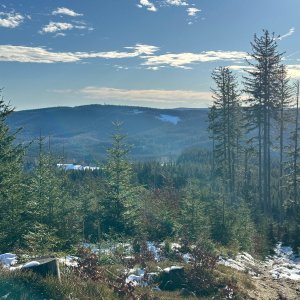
(139, 277)
(172, 268)
(108, 249)
(137, 111)
(168, 118)
(232, 263)
(175, 246)
(8, 259)
(243, 262)
(90, 168)
(31, 264)
(138, 271)
(287, 271)
(69, 260)
(136, 280)
(284, 264)
(187, 257)
(154, 250)
(283, 251)
(68, 167)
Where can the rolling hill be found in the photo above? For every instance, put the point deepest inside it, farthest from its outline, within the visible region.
(83, 133)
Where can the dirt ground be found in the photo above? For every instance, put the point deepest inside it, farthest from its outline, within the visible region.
(269, 288)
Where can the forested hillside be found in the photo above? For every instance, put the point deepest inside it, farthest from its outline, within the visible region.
(84, 132)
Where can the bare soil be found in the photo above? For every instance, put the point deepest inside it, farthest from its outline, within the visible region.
(269, 288)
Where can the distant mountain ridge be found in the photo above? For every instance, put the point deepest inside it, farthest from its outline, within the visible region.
(83, 133)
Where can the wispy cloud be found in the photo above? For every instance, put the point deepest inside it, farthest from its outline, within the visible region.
(240, 68)
(11, 20)
(41, 55)
(293, 71)
(54, 27)
(143, 49)
(176, 2)
(149, 5)
(193, 11)
(152, 97)
(183, 60)
(146, 53)
(66, 11)
(289, 33)
(34, 55)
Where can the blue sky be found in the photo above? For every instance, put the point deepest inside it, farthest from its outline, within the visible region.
(157, 53)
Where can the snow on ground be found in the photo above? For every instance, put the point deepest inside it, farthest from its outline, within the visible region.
(168, 118)
(69, 261)
(68, 167)
(154, 250)
(283, 264)
(107, 249)
(8, 259)
(242, 262)
(175, 246)
(139, 277)
(187, 257)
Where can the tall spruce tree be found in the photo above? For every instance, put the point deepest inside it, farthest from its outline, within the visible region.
(119, 201)
(282, 116)
(211, 129)
(261, 84)
(293, 176)
(225, 125)
(294, 165)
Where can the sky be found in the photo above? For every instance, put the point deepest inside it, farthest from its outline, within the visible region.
(155, 53)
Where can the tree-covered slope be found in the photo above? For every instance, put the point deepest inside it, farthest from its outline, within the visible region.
(84, 131)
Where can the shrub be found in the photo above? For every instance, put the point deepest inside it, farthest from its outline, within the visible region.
(200, 277)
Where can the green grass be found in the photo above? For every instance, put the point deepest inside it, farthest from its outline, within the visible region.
(27, 286)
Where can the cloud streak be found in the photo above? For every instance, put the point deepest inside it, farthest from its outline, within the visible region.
(184, 60)
(66, 11)
(146, 53)
(151, 97)
(54, 27)
(293, 71)
(41, 55)
(176, 2)
(289, 33)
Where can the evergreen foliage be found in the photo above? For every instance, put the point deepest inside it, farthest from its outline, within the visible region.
(119, 204)
(262, 86)
(12, 198)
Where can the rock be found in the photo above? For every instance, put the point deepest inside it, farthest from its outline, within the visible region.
(44, 267)
(31, 264)
(172, 278)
